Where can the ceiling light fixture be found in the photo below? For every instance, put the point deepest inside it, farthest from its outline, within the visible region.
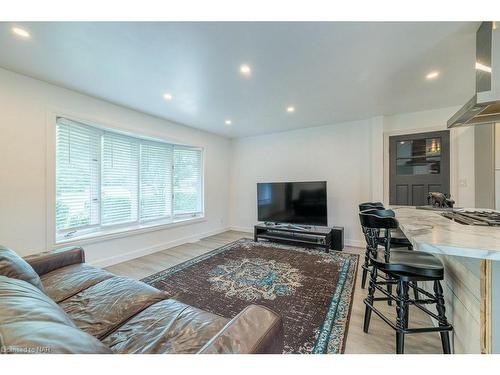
(228, 122)
(20, 32)
(245, 70)
(290, 109)
(167, 96)
(483, 67)
(432, 75)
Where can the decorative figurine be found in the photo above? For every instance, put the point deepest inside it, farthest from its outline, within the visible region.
(440, 200)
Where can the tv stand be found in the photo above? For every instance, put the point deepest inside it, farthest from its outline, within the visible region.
(326, 237)
(288, 226)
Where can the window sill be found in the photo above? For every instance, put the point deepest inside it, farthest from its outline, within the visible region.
(125, 232)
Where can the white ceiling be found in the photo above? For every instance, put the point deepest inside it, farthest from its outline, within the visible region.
(330, 72)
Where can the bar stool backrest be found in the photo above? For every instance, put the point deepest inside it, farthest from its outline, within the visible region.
(371, 205)
(378, 219)
(380, 212)
(374, 233)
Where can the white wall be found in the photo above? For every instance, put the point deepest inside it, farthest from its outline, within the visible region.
(339, 154)
(352, 157)
(24, 107)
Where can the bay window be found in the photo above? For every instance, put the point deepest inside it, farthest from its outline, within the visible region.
(106, 180)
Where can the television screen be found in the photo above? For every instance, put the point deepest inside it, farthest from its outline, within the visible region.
(292, 202)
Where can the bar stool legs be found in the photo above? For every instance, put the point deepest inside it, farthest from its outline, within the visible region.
(365, 270)
(445, 336)
(403, 303)
(369, 298)
(415, 290)
(402, 315)
(371, 236)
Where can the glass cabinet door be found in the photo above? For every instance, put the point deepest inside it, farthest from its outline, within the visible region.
(418, 157)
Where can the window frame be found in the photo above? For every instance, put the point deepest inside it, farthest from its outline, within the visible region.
(96, 232)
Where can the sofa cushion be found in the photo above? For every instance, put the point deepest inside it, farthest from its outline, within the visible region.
(168, 326)
(67, 281)
(20, 302)
(30, 337)
(12, 265)
(102, 307)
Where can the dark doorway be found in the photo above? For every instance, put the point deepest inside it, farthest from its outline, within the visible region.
(418, 164)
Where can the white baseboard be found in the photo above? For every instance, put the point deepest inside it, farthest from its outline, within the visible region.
(109, 261)
(354, 243)
(242, 229)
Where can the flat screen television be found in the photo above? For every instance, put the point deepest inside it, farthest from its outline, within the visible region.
(292, 202)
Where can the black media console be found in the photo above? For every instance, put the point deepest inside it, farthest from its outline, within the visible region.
(327, 237)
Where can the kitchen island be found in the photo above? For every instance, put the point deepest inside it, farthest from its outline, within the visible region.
(471, 256)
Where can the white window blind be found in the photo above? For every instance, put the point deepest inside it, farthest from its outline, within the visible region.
(156, 181)
(120, 179)
(106, 179)
(77, 175)
(187, 180)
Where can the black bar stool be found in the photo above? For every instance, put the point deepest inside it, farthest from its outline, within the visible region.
(404, 268)
(373, 240)
(387, 240)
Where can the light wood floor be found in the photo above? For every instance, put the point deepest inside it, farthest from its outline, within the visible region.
(380, 339)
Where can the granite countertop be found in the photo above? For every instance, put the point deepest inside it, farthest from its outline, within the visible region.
(430, 232)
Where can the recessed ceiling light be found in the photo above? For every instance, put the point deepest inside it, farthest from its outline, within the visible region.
(432, 75)
(167, 96)
(290, 109)
(228, 122)
(245, 70)
(21, 32)
(483, 67)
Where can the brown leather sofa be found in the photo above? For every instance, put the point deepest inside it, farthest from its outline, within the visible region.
(56, 303)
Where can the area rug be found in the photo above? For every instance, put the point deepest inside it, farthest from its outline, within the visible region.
(311, 289)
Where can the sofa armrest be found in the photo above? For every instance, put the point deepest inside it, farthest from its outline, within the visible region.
(256, 329)
(48, 261)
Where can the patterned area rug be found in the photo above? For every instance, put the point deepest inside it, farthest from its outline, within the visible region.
(311, 290)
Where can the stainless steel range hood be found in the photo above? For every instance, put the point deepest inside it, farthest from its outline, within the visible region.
(484, 106)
